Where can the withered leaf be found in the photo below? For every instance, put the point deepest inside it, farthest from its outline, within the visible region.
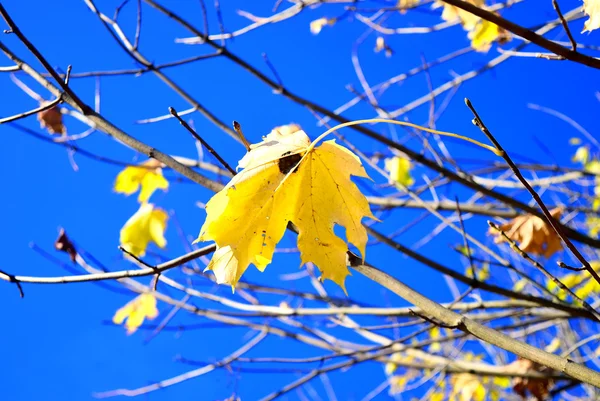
(538, 388)
(51, 120)
(533, 234)
(64, 244)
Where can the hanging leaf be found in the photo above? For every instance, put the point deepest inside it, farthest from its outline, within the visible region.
(287, 179)
(399, 169)
(592, 9)
(146, 225)
(485, 33)
(147, 176)
(452, 13)
(533, 234)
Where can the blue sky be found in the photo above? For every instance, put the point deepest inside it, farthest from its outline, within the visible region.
(56, 343)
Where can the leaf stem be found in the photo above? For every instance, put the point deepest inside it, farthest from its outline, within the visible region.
(406, 124)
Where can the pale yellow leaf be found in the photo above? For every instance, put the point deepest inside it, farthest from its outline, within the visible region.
(399, 169)
(592, 9)
(135, 311)
(404, 4)
(483, 35)
(582, 155)
(452, 13)
(146, 225)
(553, 346)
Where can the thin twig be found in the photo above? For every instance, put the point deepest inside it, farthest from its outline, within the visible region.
(202, 141)
(565, 25)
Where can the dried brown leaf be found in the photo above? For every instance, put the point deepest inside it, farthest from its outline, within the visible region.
(533, 234)
(64, 244)
(51, 120)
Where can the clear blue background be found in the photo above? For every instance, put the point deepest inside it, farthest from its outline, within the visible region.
(56, 344)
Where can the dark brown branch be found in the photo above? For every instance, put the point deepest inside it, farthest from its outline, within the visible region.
(527, 34)
(202, 141)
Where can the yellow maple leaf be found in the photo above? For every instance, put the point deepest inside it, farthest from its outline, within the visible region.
(135, 311)
(146, 225)
(147, 175)
(399, 169)
(285, 179)
(592, 9)
(317, 25)
(484, 34)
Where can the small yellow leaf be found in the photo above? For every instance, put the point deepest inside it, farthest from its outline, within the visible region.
(593, 223)
(147, 175)
(399, 169)
(592, 9)
(582, 155)
(483, 35)
(249, 216)
(397, 384)
(379, 44)
(503, 382)
(467, 387)
(146, 225)
(317, 25)
(553, 346)
(575, 141)
(520, 285)
(135, 311)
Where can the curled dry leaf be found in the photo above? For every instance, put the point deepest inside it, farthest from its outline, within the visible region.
(537, 387)
(533, 234)
(287, 179)
(147, 176)
(592, 9)
(136, 311)
(51, 120)
(64, 244)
